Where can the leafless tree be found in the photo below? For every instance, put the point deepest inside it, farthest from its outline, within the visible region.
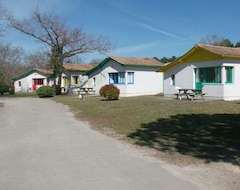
(10, 63)
(63, 41)
(3, 15)
(216, 41)
(37, 59)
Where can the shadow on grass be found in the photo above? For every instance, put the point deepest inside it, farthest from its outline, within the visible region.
(209, 137)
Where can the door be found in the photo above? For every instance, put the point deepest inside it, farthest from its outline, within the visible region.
(199, 77)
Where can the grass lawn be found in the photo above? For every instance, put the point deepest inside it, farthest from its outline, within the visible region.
(209, 130)
(20, 95)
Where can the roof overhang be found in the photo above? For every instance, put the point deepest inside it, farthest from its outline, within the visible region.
(186, 56)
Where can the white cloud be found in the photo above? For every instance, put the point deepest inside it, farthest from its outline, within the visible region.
(148, 27)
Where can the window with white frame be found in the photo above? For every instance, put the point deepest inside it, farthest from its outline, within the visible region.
(117, 78)
(229, 74)
(130, 77)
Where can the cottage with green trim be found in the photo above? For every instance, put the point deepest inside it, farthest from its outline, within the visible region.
(31, 80)
(133, 76)
(215, 69)
(72, 77)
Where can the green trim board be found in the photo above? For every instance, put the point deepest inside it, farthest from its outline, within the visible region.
(106, 60)
(29, 73)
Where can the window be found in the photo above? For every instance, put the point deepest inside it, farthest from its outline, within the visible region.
(130, 76)
(208, 75)
(121, 78)
(38, 81)
(229, 71)
(117, 78)
(173, 80)
(75, 80)
(19, 83)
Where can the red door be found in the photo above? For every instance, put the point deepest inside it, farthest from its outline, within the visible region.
(34, 87)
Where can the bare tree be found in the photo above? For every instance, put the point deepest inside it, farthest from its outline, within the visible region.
(63, 41)
(3, 15)
(37, 59)
(10, 63)
(216, 41)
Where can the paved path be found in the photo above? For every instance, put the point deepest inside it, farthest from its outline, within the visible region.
(42, 147)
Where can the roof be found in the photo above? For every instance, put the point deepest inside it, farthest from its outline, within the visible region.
(78, 67)
(218, 52)
(223, 51)
(48, 72)
(29, 73)
(136, 61)
(129, 61)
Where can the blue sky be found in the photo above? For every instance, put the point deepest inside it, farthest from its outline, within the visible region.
(140, 28)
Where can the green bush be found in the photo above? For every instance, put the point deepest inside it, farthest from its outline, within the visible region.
(45, 91)
(110, 92)
(6, 88)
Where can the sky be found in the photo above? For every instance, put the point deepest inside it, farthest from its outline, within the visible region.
(139, 28)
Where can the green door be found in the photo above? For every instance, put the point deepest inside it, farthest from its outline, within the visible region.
(199, 77)
(198, 85)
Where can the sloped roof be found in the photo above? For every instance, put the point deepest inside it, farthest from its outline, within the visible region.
(136, 61)
(78, 67)
(218, 51)
(44, 71)
(129, 61)
(29, 73)
(48, 72)
(223, 51)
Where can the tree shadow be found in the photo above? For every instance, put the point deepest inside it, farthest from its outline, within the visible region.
(209, 137)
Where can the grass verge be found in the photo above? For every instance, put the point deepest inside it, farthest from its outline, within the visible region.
(207, 130)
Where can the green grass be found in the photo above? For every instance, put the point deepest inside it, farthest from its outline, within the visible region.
(209, 130)
(20, 95)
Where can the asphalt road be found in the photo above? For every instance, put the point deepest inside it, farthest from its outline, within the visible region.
(42, 147)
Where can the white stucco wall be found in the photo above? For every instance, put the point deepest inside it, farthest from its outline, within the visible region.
(27, 82)
(146, 80)
(185, 78)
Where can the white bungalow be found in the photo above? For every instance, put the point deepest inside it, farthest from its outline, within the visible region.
(72, 76)
(133, 76)
(31, 80)
(215, 69)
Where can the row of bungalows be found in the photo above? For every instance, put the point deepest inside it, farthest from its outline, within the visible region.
(33, 79)
(133, 76)
(214, 69)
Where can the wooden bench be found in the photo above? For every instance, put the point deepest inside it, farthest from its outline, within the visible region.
(90, 91)
(190, 96)
(197, 95)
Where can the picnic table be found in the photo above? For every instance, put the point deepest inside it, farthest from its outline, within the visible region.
(86, 90)
(189, 93)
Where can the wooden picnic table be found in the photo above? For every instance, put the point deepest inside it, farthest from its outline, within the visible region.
(189, 93)
(86, 90)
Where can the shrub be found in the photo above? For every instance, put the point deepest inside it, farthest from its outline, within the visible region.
(110, 92)
(45, 91)
(6, 88)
